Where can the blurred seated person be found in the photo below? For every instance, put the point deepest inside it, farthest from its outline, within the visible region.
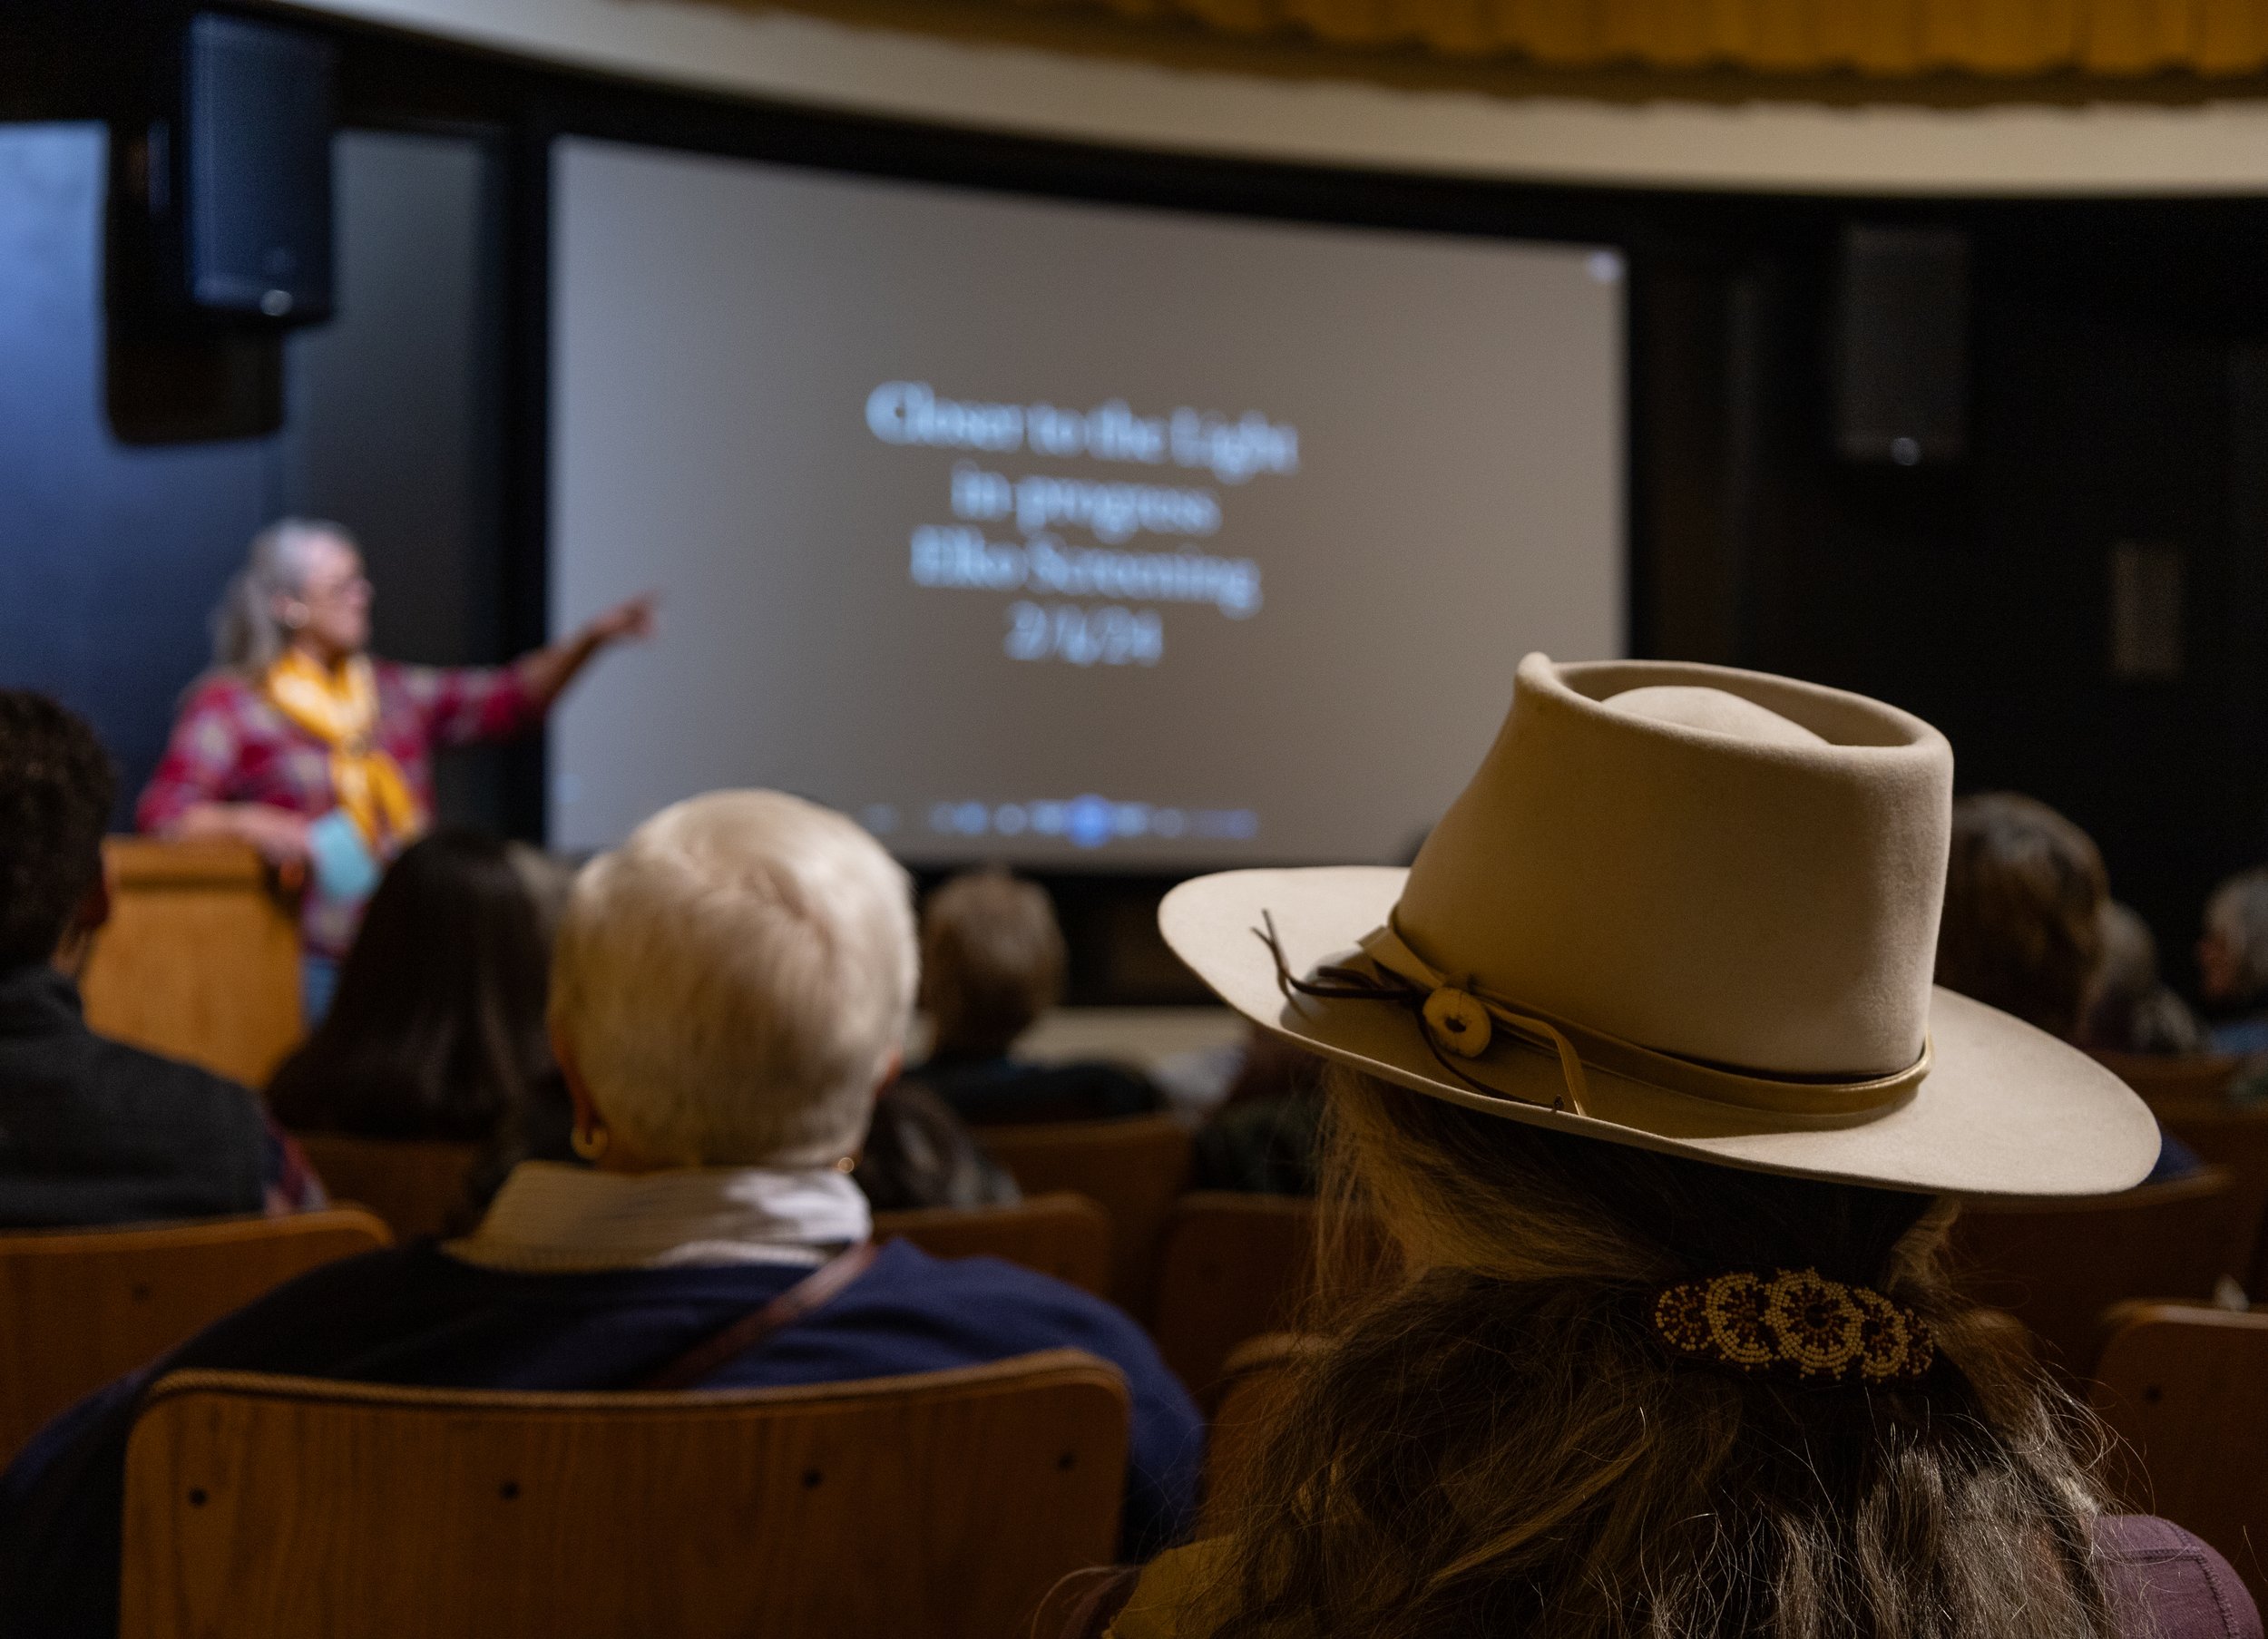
(1266, 1135)
(991, 963)
(919, 1153)
(730, 990)
(436, 1030)
(2022, 929)
(2232, 962)
(2130, 1010)
(92, 1131)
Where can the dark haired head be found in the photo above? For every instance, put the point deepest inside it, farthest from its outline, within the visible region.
(56, 786)
(437, 1028)
(2024, 893)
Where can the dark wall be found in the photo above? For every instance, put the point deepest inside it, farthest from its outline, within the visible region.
(110, 555)
(393, 419)
(2116, 394)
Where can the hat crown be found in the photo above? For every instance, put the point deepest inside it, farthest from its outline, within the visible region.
(1726, 866)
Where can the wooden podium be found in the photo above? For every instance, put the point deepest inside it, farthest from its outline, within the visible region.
(200, 960)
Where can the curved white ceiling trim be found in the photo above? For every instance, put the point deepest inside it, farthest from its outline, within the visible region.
(2099, 148)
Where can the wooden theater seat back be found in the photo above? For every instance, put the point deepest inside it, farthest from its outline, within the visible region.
(79, 1308)
(1231, 1267)
(416, 1186)
(1063, 1234)
(1234, 1266)
(1254, 1383)
(2180, 1386)
(1134, 1168)
(2238, 1141)
(945, 1503)
(2058, 1265)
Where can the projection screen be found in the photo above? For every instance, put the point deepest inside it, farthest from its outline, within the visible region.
(1062, 533)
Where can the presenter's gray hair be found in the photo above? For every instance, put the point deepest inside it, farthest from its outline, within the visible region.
(247, 637)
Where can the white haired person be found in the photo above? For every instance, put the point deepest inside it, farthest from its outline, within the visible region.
(2232, 961)
(302, 745)
(730, 990)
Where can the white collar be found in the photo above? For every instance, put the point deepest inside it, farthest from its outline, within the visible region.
(551, 1218)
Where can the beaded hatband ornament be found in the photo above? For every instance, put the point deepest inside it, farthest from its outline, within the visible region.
(1795, 1322)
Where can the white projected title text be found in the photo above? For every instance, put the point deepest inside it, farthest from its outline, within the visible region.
(1115, 514)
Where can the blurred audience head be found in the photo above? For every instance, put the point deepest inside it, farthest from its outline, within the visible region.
(992, 960)
(2022, 927)
(733, 984)
(437, 1029)
(2126, 977)
(301, 576)
(2233, 956)
(56, 787)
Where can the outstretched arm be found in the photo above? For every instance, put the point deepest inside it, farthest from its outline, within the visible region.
(546, 673)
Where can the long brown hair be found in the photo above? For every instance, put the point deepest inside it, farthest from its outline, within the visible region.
(1499, 1445)
(437, 1028)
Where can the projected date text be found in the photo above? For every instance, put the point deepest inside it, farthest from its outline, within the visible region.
(1110, 634)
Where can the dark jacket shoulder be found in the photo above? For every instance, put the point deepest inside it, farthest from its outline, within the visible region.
(93, 1131)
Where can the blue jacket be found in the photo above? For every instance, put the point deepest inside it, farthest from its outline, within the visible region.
(415, 1316)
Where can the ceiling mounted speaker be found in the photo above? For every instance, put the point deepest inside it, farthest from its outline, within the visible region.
(1900, 335)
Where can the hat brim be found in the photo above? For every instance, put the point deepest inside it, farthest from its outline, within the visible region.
(2006, 1109)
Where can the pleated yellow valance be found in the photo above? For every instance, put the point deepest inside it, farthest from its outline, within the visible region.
(1873, 37)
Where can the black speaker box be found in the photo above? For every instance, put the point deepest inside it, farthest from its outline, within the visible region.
(219, 231)
(1901, 346)
(240, 179)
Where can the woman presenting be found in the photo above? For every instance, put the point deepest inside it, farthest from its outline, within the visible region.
(300, 744)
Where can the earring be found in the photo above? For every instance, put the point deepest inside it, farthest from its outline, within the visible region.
(590, 1143)
(847, 1163)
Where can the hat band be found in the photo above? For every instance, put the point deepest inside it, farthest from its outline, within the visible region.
(1459, 1018)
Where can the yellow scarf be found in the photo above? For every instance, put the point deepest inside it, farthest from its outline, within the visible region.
(341, 710)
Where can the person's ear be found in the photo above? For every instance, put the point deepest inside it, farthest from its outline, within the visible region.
(587, 1115)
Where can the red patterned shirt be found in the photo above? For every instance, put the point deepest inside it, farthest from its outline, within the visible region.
(230, 744)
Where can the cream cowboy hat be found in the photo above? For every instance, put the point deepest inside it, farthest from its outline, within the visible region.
(1689, 909)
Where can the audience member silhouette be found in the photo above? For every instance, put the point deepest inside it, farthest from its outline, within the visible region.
(1501, 1446)
(730, 990)
(991, 963)
(1671, 1353)
(2022, 928)
(1265, 1137)
(2130, 1010)
(2232, 961)
(436, 1030)
(92, 1131)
